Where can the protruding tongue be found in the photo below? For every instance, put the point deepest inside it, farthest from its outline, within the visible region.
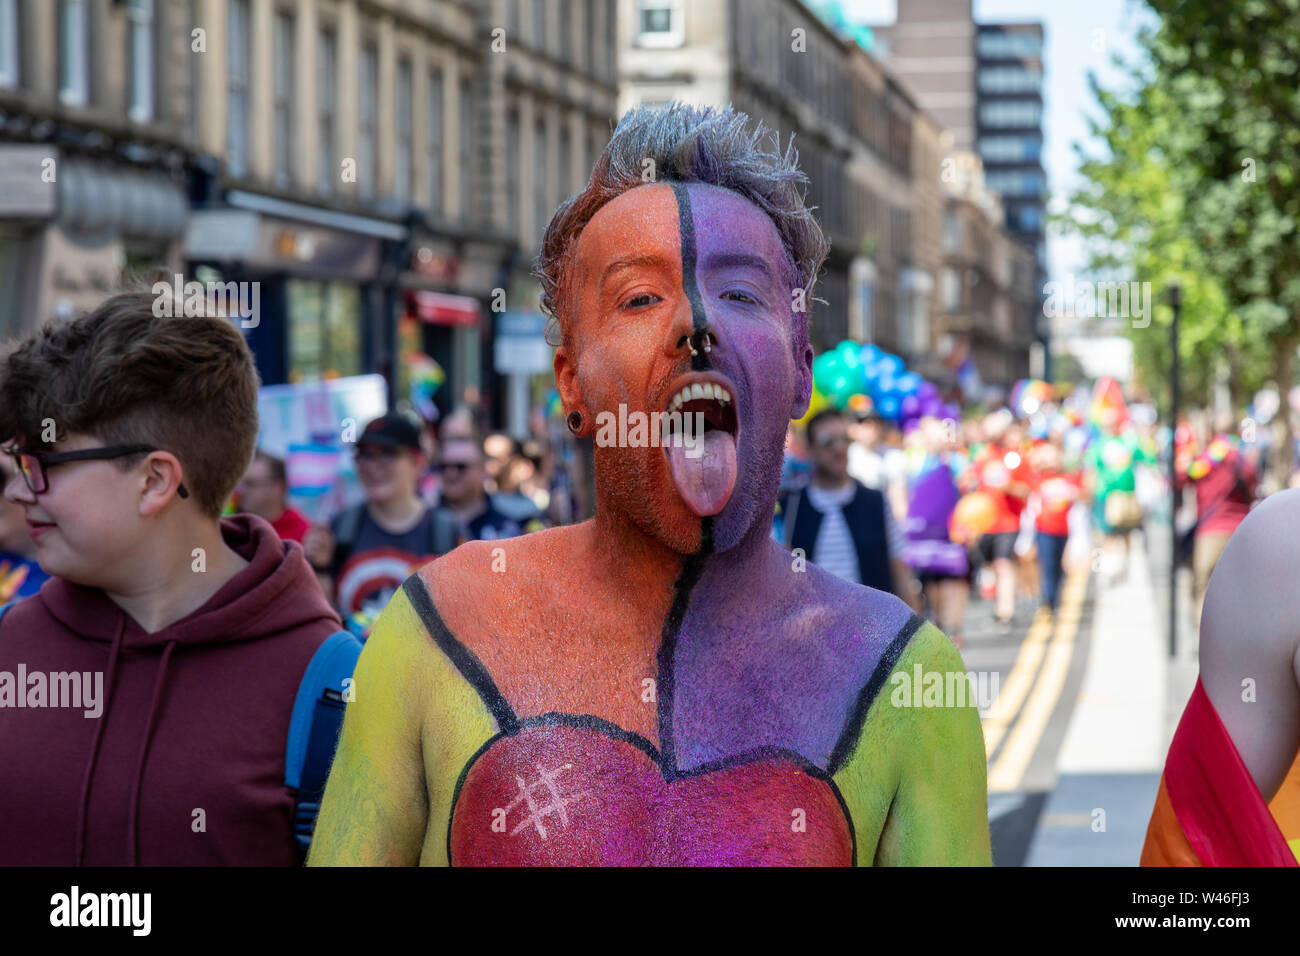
(705, 480)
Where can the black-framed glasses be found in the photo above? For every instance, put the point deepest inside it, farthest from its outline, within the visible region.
(32, 464)
(456, 466)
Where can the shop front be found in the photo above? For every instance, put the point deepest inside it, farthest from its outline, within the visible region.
(318, 275)
(74, 231)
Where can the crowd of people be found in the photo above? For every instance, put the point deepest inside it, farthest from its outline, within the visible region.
(425, 493)
(1001, 505)
(998, 505)
(139, 555)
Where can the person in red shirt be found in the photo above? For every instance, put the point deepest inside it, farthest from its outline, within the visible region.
(1056, 491)
(1001, 472)
(264, 491)
(1225, 480)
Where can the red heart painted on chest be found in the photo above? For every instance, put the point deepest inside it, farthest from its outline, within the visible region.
(560, 795)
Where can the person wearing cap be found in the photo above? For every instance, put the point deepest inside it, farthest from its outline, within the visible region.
(369, 549)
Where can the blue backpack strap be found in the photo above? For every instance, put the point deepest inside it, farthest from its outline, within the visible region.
(314, 728)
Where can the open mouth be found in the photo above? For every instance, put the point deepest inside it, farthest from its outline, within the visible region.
(709, 399)
(701, 431)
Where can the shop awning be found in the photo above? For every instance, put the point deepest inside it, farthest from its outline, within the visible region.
(440, 308)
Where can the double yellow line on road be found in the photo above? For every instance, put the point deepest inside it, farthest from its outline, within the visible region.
(1008, 770)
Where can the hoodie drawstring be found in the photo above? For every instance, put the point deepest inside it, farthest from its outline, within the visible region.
(113, 655)
(133, 827)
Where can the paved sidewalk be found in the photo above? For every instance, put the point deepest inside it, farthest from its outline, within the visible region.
(1114, 750)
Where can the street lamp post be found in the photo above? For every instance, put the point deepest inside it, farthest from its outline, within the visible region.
(1175, 398)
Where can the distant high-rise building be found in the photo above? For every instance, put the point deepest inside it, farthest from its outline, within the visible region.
(1009, 124)
(985, 84)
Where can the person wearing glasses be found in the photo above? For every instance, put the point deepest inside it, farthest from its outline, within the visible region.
(369, 549)
(185, 635)
(839, 523)
(20, 574)
(463, 490)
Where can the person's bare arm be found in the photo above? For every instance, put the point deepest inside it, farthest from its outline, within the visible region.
(375, 808)
(1250, 639)
(916, 782)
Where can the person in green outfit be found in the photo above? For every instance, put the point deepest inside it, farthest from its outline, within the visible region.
(1112, 462)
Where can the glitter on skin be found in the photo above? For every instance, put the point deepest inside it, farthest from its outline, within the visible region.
(648, 638)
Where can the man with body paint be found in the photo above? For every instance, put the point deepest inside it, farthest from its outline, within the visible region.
(663, 684)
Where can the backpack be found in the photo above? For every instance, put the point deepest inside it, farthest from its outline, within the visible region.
(314, 727)
(444, 532)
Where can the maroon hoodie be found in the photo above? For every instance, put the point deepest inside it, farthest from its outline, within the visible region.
(185, 764)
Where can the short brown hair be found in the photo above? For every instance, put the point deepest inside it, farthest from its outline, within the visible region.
(125, 376)
(819, 419)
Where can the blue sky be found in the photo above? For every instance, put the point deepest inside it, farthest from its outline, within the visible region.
(1074, 46)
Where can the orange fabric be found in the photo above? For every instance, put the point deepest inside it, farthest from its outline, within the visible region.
(1285, 805)
(1165, 844)
(1209, 811)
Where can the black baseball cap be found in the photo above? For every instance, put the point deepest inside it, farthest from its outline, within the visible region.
(394, 430)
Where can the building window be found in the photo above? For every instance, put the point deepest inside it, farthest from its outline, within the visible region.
(140, 40)
(368, 105)
(565, 177)
(283, 108)
(1009, 45)
(1016, 183)
(237, 104)
(405, 149)
(611, 41)
(327, 94)
(950, 290)
(951, 232)
(9, 43)
(324, 330)
(512, 172)
(466, 157)
(595, 51)
(1010, 79)
(434, 141)
(74, 54)
(541, 204)
(1011, 149)
(1011, 113)
(1031, 219)
(659, 23)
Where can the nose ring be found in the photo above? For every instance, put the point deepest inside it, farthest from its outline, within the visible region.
(708, 347)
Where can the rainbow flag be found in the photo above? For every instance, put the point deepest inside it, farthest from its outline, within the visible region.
(1208, 810)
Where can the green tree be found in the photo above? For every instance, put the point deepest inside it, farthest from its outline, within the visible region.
(1196, 184)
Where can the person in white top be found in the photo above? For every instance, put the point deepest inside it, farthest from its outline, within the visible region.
(843, 508)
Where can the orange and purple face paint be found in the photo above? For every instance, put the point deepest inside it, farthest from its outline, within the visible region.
(663, 684)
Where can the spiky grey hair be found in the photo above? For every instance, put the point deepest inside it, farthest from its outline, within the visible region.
(688, 143)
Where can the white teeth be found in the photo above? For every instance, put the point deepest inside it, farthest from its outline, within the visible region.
(706, 390)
